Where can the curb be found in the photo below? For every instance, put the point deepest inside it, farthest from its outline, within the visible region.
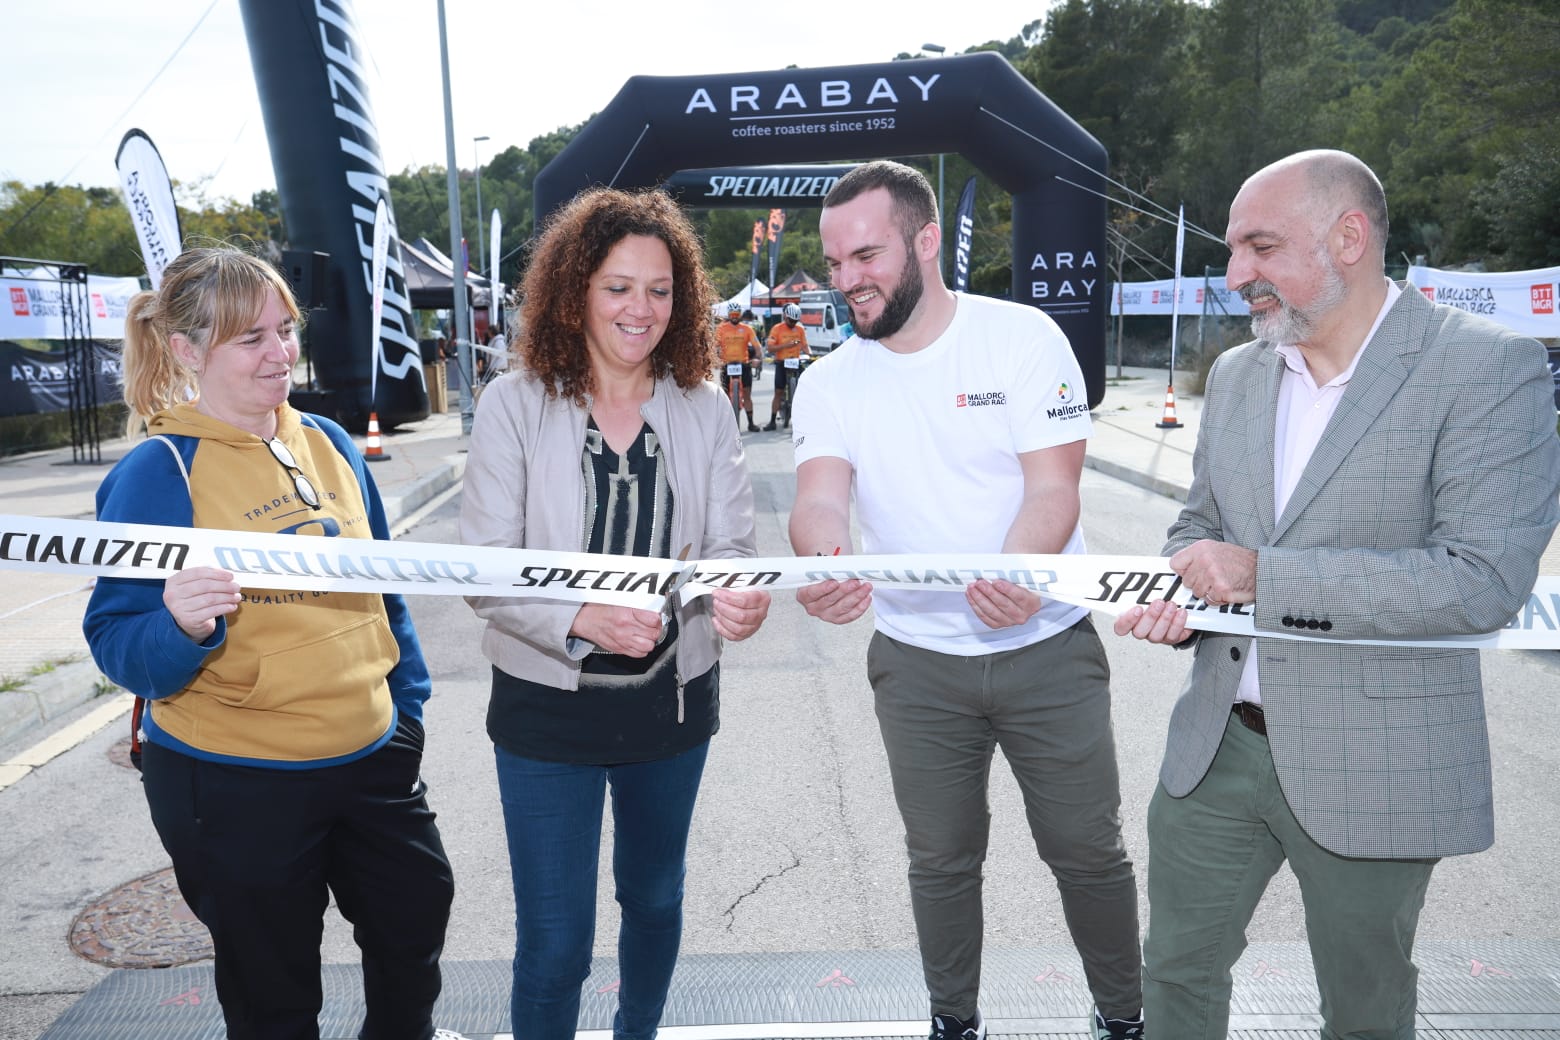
(402, 504)
(45, 698)
(1158, 485)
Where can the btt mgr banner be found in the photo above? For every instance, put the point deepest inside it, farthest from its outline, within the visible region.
(313, 80)
(149, 196)
(977, 105)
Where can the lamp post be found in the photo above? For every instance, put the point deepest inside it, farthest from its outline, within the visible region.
(459, 332)
(937, 49)
(477, 160)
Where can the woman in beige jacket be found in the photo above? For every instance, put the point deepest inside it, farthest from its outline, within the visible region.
(608, 438)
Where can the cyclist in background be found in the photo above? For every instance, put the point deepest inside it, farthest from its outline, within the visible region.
(755, 355)
(739, 344)
(787, 340)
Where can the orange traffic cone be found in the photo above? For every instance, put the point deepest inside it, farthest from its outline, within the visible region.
(1169, 421)
(373, 452)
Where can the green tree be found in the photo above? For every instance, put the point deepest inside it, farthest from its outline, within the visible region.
(1260, 76)
(1459, 129)
(1112, 66)
(69, 223)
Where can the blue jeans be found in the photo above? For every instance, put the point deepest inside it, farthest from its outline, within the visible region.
(552, 816)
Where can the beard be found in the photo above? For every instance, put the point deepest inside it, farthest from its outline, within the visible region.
(1287, 323)
(897, 305)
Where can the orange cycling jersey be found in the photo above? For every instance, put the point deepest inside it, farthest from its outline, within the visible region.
(735, 340)
(787, 342)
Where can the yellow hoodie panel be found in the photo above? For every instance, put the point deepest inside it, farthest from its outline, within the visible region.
(300, 675)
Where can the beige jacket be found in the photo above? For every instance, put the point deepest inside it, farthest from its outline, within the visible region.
(524, 488)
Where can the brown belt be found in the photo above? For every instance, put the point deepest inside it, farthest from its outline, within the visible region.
(1250, 716)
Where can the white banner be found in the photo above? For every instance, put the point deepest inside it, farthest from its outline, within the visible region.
(1520, 300)
(1111, 584)
(1524, 301)
(377, 267)
(1175, 292)
(1159, 298)
(149, 196)
(497, 308)
(32, 306)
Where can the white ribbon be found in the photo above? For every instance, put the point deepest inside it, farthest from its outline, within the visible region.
(1110, 584)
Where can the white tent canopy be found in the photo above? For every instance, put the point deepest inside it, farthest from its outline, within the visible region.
(743, 298)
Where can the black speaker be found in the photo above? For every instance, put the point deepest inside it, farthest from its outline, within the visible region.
(306, 273)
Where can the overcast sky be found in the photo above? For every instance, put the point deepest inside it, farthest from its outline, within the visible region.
(518, 70)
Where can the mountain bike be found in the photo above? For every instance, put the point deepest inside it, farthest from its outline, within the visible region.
(794, 367)
(734, 389)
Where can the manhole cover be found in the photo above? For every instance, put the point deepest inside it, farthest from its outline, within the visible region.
(142, 924)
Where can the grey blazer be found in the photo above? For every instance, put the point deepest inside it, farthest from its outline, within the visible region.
(1423, 512)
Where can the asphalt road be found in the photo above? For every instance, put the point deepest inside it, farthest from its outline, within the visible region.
(796, 843)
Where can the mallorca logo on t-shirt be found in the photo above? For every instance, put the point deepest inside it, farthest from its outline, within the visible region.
(1065, 408)
(980, 400)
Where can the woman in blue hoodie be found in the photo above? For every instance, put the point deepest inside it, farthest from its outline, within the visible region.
(283, 744)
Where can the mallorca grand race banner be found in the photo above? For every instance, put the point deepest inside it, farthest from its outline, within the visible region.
(1523, 301)
(32, 308)
(35, 373)
(1158, 298)
(1111, 584)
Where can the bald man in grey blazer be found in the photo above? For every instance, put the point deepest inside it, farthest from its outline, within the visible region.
(1372, 466)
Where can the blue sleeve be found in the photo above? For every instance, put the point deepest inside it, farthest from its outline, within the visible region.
(410, 684)
(133, 637)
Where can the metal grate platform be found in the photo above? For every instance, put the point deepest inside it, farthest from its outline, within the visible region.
(1469, 990)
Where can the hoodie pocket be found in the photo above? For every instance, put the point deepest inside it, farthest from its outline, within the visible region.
(348, 663)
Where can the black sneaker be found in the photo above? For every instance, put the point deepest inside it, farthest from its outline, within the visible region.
(951, 1027)
(1117, 1028)
(770, 427)
(752, 426)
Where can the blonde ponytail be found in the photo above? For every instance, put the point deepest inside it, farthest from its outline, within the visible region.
(153, 378)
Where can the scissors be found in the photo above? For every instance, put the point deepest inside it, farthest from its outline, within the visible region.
(671, 594)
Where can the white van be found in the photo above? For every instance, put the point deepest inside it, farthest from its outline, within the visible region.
(826, 317)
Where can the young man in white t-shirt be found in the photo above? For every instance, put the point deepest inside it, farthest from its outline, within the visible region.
(959, 423)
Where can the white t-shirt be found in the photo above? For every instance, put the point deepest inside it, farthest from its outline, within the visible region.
(933, 439)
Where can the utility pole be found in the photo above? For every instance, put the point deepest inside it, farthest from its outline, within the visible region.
(477, 160)
(460, 332)
(938, 49)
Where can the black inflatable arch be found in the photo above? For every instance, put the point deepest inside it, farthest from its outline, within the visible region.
(974, 104)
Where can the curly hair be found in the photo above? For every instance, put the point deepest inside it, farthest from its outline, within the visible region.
(573, 246)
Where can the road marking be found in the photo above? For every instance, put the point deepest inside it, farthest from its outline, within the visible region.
(56, 744)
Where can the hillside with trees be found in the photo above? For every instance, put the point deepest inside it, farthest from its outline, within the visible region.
(1450, 101)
